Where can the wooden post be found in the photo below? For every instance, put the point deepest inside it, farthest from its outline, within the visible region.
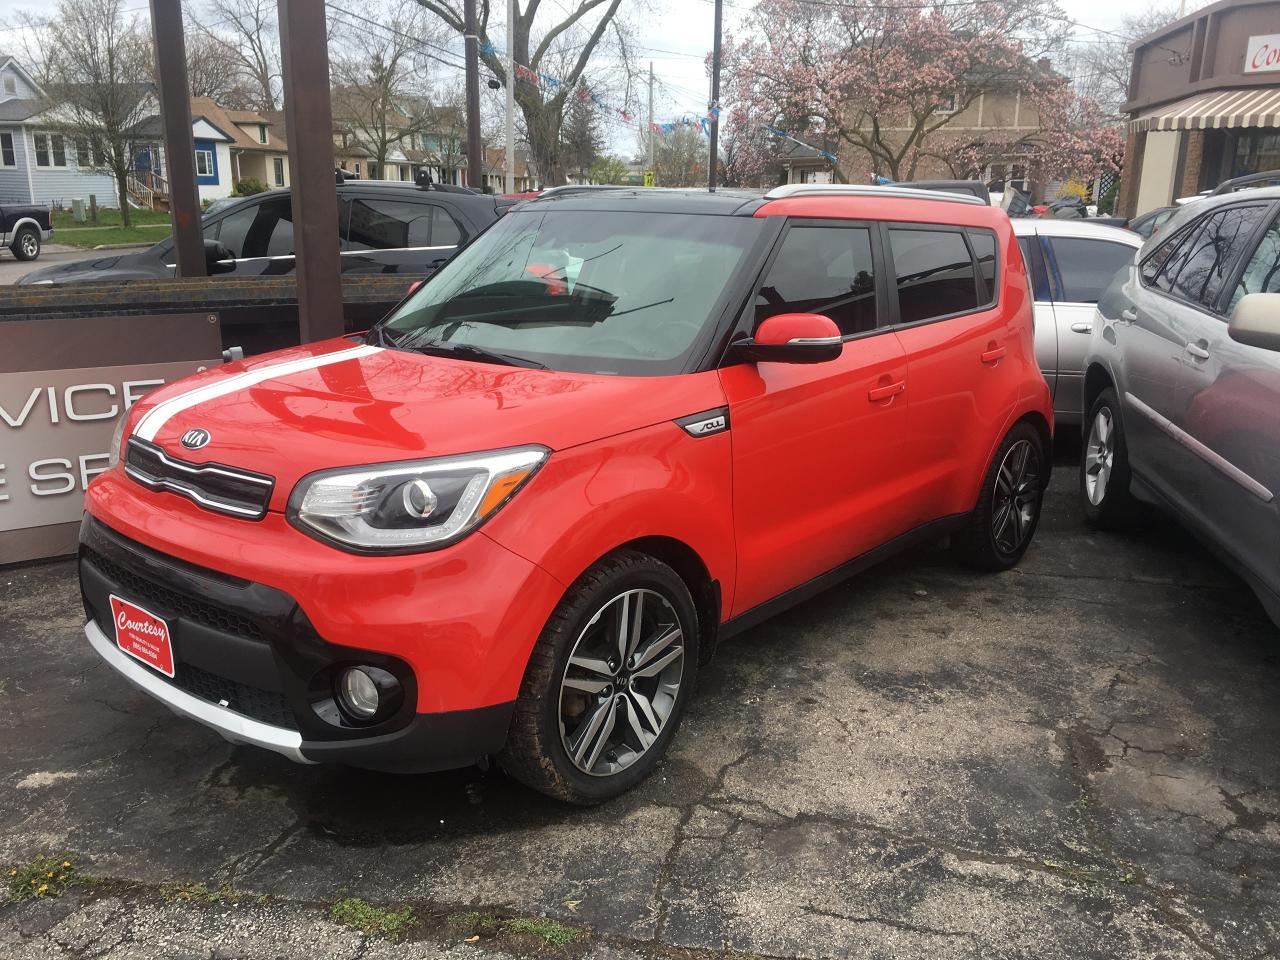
(304, 53)
(175, 114)
(93, 208)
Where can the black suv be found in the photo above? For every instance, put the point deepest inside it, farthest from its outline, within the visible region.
(382, 227)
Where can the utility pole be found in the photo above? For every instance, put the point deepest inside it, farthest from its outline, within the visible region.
(511, 97)
(475, 167)
(651, 116)
(713, 108)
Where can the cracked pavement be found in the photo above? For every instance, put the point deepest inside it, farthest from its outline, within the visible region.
(1079, 758)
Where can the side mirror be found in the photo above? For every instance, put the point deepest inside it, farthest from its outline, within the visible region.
(793, 338)
(217, 258)
(1256, 321)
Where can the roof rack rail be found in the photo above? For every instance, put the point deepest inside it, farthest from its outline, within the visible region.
(867, 190)
(569, 188)
(1265, 178)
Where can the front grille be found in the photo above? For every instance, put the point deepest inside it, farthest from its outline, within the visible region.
(261, 705)
(213, 486)
(147, 591)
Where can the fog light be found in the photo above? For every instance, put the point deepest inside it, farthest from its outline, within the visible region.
(359, 693)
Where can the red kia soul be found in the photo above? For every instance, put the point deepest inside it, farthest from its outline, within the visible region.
(514, 519)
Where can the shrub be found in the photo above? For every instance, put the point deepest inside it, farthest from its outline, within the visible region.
(248, 186)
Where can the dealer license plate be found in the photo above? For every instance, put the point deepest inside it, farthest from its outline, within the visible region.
(142, 635)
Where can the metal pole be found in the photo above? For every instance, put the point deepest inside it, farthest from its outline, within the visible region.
(308, 115)
(475, 167)
(511, 97)
(714, 136)
(651, 117)
(179, 148)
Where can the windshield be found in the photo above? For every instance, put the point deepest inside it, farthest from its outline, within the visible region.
(584, 291)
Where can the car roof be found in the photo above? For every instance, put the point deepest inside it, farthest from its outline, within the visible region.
(647, 199)
(1030, 227)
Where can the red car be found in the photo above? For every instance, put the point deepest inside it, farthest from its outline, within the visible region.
(515, 518)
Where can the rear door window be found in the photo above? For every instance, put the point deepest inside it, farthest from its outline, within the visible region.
(1262, 272)
(376, 224)
(1085, 267)
(259, 230)
(934, 273)
(826, 270)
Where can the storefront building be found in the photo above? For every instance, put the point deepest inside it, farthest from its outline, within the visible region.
(1204, 103)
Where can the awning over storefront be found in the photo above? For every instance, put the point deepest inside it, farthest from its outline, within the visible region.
(1248, 107)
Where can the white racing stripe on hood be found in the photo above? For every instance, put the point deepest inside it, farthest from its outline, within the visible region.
(159, 415)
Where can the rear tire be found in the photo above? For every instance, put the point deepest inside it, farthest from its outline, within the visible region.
(1008, 511)
(26, 243)
(1104, 465)
(607, 682)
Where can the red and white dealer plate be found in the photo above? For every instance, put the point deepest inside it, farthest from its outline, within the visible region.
(142, 635)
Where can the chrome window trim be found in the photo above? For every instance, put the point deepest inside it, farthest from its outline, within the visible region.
(1215, 460)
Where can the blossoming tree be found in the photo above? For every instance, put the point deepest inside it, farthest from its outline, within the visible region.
(877, 84)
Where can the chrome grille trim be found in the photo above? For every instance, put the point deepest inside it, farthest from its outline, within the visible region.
(184, 479)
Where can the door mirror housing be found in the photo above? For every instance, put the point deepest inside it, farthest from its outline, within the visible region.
(1255, 321)
(217, 258)
(793, 338)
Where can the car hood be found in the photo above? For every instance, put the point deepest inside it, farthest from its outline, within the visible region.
(108, 267)
(341, 403)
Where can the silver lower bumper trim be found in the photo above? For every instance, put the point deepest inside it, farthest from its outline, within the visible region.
(232, 726)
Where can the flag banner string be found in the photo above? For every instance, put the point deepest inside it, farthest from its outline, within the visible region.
(774, 131)
(547, 81)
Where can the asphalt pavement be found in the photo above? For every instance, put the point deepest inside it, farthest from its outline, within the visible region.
(1079, 758)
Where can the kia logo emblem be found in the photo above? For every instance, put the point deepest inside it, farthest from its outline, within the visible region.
(195, 438)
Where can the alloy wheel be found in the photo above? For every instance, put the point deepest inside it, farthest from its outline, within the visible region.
(621, 682)
(1099, 455)
(29, 245)
(1017, 496)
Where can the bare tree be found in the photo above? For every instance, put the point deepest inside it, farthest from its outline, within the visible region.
(96, 64)
(213, 71)
(1099, 66)
(379, 93)
(248, 33)
(564, 41)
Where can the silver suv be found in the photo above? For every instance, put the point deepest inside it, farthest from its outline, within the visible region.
(1182, 383)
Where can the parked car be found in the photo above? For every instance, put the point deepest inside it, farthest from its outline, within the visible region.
(1151, 221)
(382, 227)
(1183, 381)
(24, 228)
(515, 518)
(1071, 262)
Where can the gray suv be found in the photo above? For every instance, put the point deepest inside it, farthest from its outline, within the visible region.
(1182, 383)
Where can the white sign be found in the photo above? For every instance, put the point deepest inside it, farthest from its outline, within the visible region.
(1263, 54)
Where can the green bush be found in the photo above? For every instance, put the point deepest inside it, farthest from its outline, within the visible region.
(248, 186)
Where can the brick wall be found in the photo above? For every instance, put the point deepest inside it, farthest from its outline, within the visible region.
(1127, 202)
(1190, 184)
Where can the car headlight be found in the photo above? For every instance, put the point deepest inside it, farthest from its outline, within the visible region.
(412, 506)
(113, 451)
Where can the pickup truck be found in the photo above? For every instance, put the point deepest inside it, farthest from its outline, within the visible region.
(23, 228)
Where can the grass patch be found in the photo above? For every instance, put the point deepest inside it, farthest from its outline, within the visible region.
(551, 931)
(107, 218)
(490, 925)
(95, 238)
(375, 921)
(43, 877)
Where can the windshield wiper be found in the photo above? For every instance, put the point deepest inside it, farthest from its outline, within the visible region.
(472, 352)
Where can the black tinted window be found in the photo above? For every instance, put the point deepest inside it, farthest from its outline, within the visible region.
(388, 224)
(445, 231)
(984, 251)
(826, 270)
(1087, 267)
(1199, 268)
(259, 230)
(934, 273)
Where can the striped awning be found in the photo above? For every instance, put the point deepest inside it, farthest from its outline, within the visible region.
(1248, 107)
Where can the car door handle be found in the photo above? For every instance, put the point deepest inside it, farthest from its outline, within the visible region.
(1129, 314)
(1197, 351)
(991, 356)
(1082, 326)
(888, 392)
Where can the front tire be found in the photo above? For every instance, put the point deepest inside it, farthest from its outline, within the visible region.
(1104, 465)
(26, 244)
(607, 682)
(1008, 511)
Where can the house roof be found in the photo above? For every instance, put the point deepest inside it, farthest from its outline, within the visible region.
(228, 120)
(15, 109)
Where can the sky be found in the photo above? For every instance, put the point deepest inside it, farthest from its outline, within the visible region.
(675, 35)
